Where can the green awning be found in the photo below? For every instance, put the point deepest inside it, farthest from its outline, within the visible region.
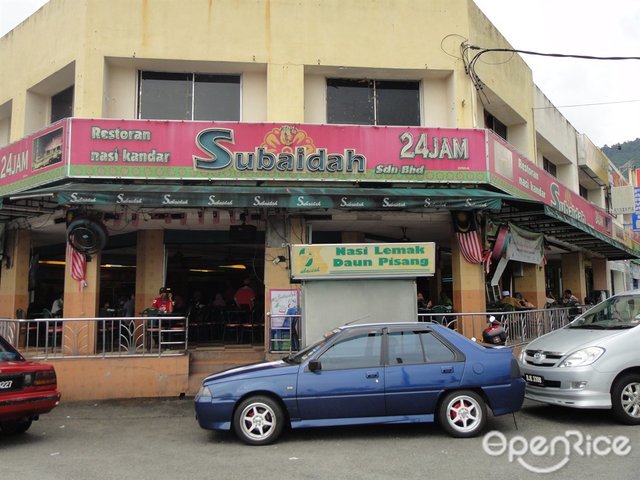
(554, 224)
(204, 196)
(594, 239)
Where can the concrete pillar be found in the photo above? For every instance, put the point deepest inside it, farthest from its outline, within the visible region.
(150, 267)
(285, 93)
(88, 99)
(81, 301)
(600, 276)
(572, 265)
(531, 284)
(468, 292)
(276, 276)
(14, 279)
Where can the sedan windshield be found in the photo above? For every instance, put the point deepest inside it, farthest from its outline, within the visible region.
(302, 355)
(614, 313)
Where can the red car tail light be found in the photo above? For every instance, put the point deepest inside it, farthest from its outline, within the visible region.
(45, 377)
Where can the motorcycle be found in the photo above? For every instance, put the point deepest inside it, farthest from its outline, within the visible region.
(494, 334)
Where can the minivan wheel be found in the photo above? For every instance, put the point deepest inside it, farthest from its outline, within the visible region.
(258, 420)
(463, 414)
(625, 399)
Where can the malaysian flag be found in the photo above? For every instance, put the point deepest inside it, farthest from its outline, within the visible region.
(78, 265)
(466, 231)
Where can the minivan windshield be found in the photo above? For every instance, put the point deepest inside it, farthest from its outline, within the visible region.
(617, 312)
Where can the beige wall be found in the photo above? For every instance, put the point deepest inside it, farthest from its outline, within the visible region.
(399, 40)
(127, 377)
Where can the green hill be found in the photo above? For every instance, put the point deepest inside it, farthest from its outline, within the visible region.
(623, 153)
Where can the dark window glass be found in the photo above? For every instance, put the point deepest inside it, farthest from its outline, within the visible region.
(350, 102)
(373, 102)
(435, 350)
(166, 96)
(549, 167)
(217, 97)
(413, 347)
(360, 351)
(405, 348)
(62, 105)
(492, 123)
(584, 193)
(397, 103)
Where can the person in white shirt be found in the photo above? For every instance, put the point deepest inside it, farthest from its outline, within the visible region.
(56, 307)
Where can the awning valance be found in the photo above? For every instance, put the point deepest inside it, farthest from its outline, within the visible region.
(557, 225)
(204, 196)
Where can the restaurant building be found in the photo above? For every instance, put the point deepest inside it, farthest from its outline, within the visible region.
(194, 143)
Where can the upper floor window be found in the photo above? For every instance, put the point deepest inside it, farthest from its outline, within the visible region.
(549, 167)
(373, 102)
(62, 104)
(189, 96)
(584, 193)
(492, 123)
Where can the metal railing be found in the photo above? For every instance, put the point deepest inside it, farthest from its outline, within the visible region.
(100, 336)
(164, 335)
(521, 326)
(284, 332)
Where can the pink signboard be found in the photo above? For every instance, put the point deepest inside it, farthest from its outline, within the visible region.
(34, 160)
(268, 151)
(515, 174)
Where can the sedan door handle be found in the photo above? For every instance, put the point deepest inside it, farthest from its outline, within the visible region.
(373, 374)
(446, 369)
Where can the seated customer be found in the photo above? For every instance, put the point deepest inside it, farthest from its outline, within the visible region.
(569, 298)
(507, 299)
(245, 296)
(524, 303)
(164, 303)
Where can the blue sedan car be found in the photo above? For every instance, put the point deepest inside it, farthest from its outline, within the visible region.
(365, 374)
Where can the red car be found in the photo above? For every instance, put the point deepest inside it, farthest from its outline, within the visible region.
(27, 389)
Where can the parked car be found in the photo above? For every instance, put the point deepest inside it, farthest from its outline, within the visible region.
(593, 362)
(27, 390)
(365, 374)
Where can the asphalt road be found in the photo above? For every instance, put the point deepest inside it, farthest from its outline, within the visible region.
(160, 439)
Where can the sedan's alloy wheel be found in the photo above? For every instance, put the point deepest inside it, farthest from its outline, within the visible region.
(258, 420)
(463, 414)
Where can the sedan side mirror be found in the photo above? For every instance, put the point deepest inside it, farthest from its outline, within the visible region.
(315, 366)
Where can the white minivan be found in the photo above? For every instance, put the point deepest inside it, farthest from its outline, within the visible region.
(593, 362)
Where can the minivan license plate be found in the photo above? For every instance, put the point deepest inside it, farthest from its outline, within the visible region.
(534, 379)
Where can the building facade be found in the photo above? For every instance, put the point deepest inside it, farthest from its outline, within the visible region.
(197, 141)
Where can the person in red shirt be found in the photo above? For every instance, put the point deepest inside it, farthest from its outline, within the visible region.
(245, 296)
(164, 303)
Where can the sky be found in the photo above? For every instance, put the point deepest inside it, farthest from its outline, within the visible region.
(599, 98)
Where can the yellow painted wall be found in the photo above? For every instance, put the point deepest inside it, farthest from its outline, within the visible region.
(277, 45)
(127, 377)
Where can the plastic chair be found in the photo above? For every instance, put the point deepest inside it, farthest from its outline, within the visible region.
(235, 322)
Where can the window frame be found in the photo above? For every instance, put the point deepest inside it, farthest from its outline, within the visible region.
(457, 354)
(495, 125)
(193, 80)
(68, 103)
(373, 87)
(354, 336)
